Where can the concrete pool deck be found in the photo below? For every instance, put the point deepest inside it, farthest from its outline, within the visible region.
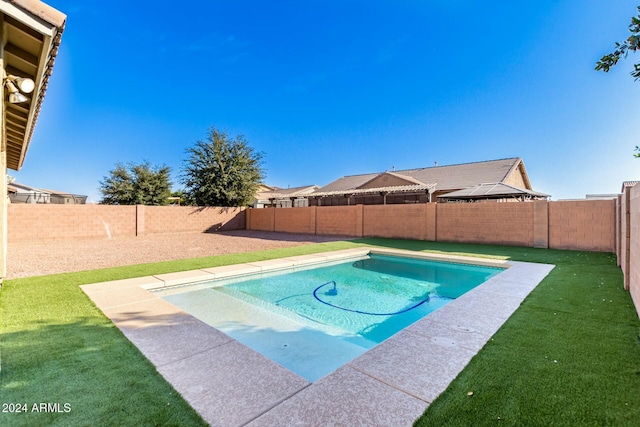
(229, 384)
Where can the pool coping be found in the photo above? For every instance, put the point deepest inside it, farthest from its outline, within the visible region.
(229, 384)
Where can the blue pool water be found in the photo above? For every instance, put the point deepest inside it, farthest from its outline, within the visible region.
(314, 320)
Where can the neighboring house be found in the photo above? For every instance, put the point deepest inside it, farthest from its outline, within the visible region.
(20, 193)
(628, 184)
(284, 197)
(601, 196)
(507, 178)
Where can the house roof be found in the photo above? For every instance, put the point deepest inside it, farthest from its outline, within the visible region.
(32, 32)
(628, 184)
(493, 190)
(440, 178)
(16, 187)
(284, 193)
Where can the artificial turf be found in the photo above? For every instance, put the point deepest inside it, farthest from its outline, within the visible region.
(57, 348)
(570, 355)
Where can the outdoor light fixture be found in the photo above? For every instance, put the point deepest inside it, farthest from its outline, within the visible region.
(17, 87)
(24, 84)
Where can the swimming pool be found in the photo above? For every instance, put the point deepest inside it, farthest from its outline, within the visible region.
(314, 319)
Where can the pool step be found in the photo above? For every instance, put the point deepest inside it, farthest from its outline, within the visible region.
(307, 351)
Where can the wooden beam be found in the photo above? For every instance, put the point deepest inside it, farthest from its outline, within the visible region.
(14, 54)
(16, 117)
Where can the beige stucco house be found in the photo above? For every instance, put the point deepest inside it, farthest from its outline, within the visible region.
(492, 179)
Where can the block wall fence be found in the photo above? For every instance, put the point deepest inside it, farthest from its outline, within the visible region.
(49, 221)
(591, 225)
(628, 240)
(582, 225)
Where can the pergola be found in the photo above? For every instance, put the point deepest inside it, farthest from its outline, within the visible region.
(31, 32)
(382, 191)
(493, 191)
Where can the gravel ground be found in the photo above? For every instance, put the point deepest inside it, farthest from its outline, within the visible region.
(49, 257)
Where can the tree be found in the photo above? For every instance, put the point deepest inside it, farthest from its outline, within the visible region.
(221, 171)
(136, 185)
(622, 49)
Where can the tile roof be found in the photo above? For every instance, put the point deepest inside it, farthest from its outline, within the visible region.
(451, 177)
(628, 184)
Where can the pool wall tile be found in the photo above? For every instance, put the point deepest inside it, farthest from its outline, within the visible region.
(346, 253)
(121, 284)
(485, 262)
(272, 264)
(183, 277)
(231, 270)
(308, 259)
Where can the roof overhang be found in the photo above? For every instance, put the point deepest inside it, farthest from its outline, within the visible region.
(418, 188)
(31, 32)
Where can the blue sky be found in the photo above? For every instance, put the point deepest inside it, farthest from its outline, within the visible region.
(333, 88)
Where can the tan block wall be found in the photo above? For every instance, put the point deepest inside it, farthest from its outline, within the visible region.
(175, 219)
(625, 235)
(540, 224)
(634, 246)
(494, 223)
(36, 222)
(582, 225)
(432, 222)
(49, 221)
(295, 220)
(379, 221)
(338, 220)
(261, 219)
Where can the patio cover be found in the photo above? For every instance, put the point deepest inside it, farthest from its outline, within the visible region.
(495, 190)
(417, 188)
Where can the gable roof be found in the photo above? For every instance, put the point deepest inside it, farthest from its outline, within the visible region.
(441, 178)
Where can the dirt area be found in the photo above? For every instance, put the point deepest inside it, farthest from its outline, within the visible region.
(49, 257)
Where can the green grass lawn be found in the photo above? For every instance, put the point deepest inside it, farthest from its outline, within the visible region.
(569, 356)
